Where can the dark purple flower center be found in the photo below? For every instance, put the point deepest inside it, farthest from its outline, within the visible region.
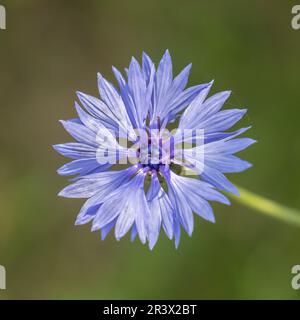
(156, 153)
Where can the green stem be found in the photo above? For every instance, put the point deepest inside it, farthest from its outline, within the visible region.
(262, 204)
(268, 207)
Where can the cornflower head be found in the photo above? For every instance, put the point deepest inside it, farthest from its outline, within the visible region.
(136, 173)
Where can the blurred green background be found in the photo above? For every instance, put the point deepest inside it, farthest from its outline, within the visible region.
(53, 48)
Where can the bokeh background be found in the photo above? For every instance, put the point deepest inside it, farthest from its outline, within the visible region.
(51, 49)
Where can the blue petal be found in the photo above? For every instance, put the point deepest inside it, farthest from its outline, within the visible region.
(214, 104)
(177, 231)
(137, 87)
(87, 213)
(166, 103)
(227, 163)
(111, 97)
(202, 208)
(222, 120)
(192, 136)
(180, 204)
(217, 179)
(202, 112)
(194, 108)
(211, 137)
(100, 183)
(128, 213)
(92, 205)
(148, 70)
(198, 187)
(127, 98)
(101, 168)
(167, 214)
(125, 219)
(228, 146)
(142, 214)
(80, 166)
(106, 229)
(129, 209)
(133, 233)
(182, 100)
(181, 80)
(147, 66)
(155, 212)
(113, 100)
(99, 110)
(162, 83)
(109, 210)
(75, 150)
(90, 122)
(80, 132)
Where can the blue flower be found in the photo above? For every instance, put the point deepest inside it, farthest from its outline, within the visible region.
(151, 192)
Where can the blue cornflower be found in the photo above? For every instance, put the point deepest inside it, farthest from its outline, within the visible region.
(152, 192)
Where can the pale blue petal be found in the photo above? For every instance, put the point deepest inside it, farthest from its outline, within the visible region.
(106, 229)
(125, 209)
(217, 179)
(108, 211)
(183, 100)
(194, 108)
(127, 98)
(227, 163)
(163, 81)
(80, 132)
(91, 206)
(181, 80)
(90, 122)
(177, 231)
(211, 137)
(221, 121)
(214, 103)
(228, 146)
(75, 150)
(142, 213)
(180, 204)
(176, 87)
(164, 77)
(114, 101)
(167, 214)
(80, 166)
(98, 183)
(86, 214)
(202, 208)
(101, 168)
(125, 219)
(133, 233)
(148, 70)
(206, 110)
(147, 67)
(155, 212)
(160, 206)
(198, 187)
(128, 213)
(99, 110)
(137, 87)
